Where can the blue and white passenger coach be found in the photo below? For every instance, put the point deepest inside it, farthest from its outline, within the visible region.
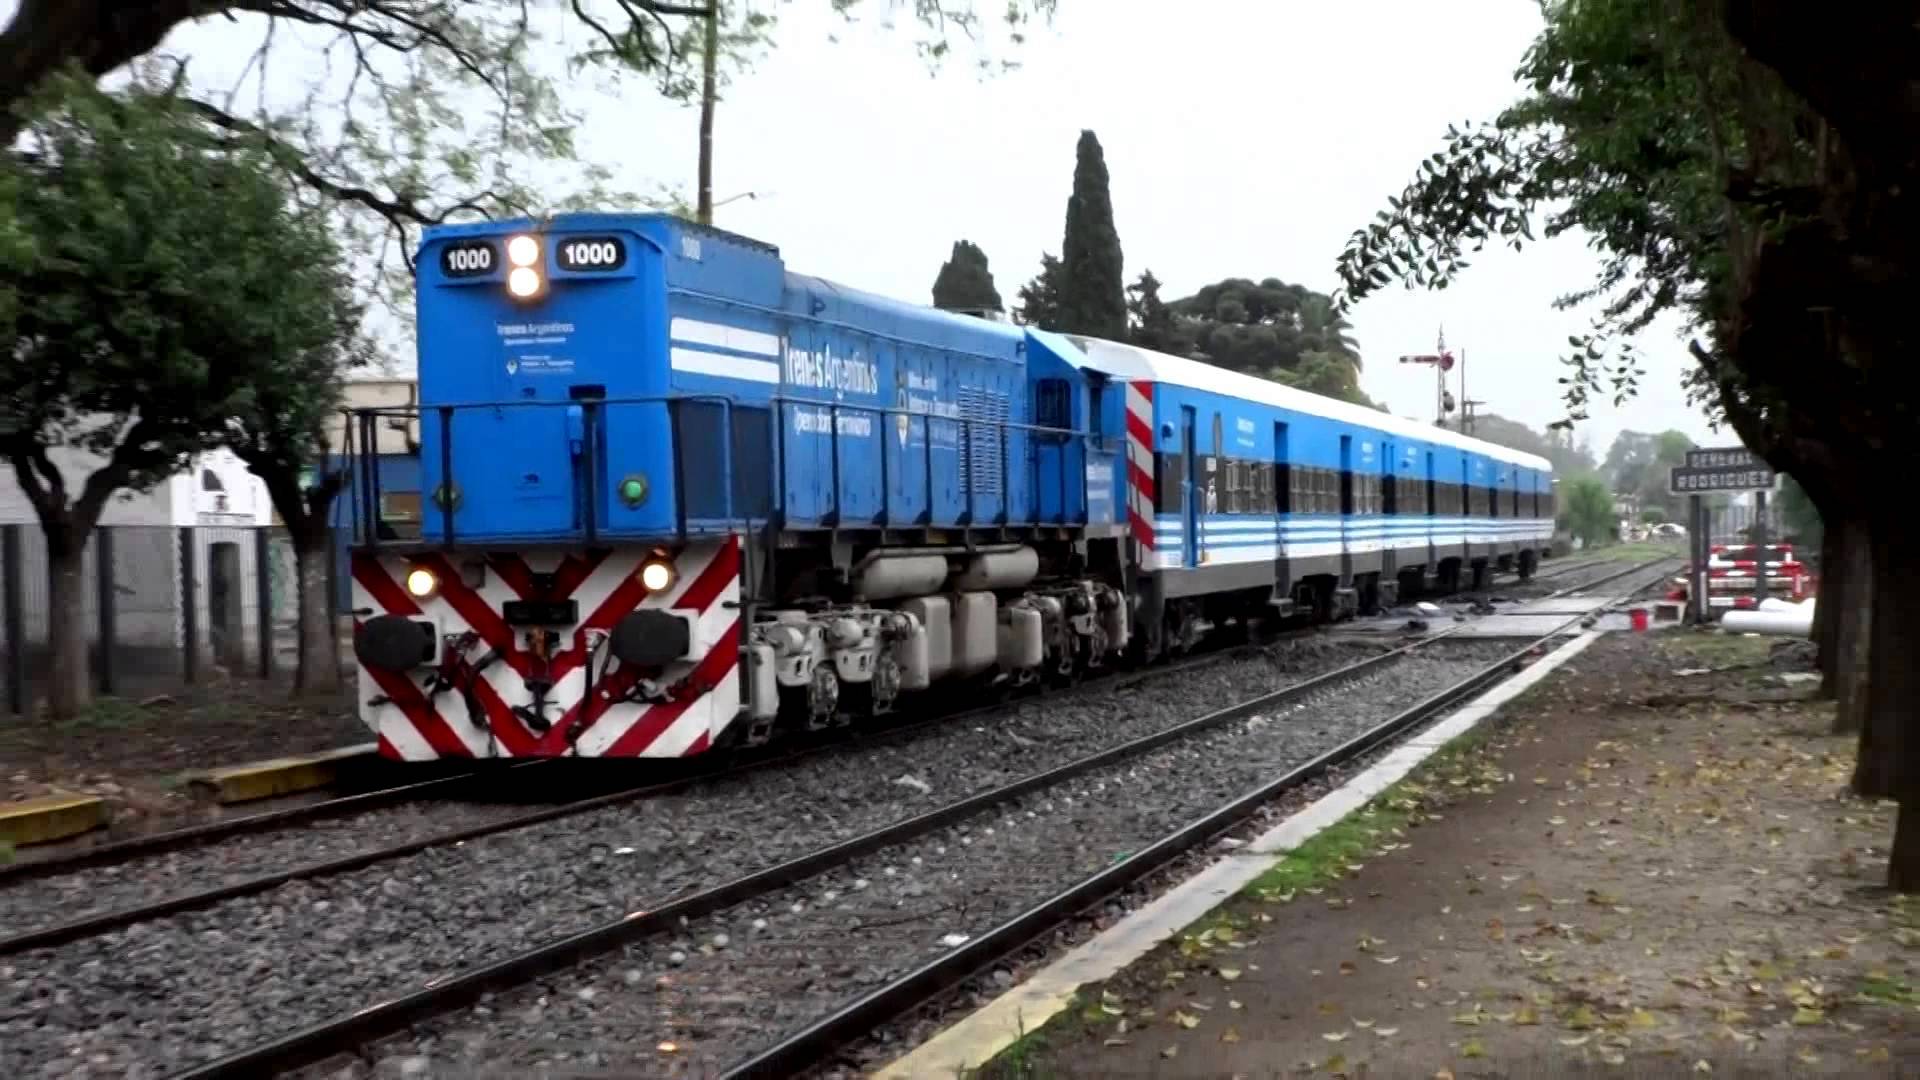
(680, 497)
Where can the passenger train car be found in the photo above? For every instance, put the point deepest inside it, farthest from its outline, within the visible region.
(681, 498)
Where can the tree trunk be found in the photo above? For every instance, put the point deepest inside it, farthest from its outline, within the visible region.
(1826, 612)
(69, 687)
(1849, 588)
(1903, 866)
(1888, 767)
(318, 668)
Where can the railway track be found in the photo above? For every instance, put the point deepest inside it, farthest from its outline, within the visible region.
(91, 908)
(69, 874)
(1414, 693)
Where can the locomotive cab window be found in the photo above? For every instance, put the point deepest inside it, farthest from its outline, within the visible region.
(1055, 406)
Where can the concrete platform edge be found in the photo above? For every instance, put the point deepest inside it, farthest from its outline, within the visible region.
(977, 1037)
(48, 818)
(278, 776)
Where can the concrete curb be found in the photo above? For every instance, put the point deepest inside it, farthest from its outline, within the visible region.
(279, 776)
(50, 817)
(976, 1038)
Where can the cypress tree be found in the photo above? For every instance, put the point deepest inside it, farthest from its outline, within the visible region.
(965, 284)
(1093, 298)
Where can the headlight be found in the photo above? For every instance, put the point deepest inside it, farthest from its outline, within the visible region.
(524, 282)
(421, 582)
(656, 574)
(523, 251)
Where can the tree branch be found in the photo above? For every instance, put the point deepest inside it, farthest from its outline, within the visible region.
(100, 35)
(45, 488)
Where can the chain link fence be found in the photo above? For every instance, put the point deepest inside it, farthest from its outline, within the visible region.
(162, 607)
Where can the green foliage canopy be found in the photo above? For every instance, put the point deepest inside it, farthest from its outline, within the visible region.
(171, 291)
(1557, 445)
(1640, 464)
(1269, 329)
(1587, 506)
(965, 283)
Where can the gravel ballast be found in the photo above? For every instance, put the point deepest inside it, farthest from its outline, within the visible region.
(694, 1002)
(146, 1000)
(50, 900)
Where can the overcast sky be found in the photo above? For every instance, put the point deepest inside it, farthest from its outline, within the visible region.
(1248, 138)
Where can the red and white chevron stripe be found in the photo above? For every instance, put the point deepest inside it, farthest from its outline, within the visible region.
(1140, 489)
(607, 585)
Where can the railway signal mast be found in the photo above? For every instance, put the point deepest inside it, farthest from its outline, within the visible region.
(1442, 362)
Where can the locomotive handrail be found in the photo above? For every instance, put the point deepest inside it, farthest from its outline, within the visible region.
(363, 459)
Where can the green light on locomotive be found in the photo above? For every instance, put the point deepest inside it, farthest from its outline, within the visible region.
(633, 490)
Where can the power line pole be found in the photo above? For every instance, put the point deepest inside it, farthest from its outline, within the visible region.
(709, 64)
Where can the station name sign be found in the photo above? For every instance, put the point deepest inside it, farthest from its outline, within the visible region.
(1738, 457)
(1721, 470)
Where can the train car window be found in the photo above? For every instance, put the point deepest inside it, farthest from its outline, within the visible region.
(1096, 399)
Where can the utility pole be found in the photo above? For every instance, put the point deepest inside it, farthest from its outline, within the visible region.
(709, 64)
(1466, 406)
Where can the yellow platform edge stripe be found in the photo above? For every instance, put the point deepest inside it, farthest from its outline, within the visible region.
(978, 1037)
(50, 817)
(277, 776)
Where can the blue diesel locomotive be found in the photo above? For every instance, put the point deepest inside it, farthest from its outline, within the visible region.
(678, 497)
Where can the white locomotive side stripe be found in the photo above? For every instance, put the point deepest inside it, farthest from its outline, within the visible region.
(720, 335)
(699, 362)
(1137, 402)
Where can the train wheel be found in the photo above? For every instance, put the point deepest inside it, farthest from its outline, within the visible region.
(1369, 589)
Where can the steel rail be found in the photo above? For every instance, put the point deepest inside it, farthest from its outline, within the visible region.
(192, 836)
(797, 1052)
(346, 1032)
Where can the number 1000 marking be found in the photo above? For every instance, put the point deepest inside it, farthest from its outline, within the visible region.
(593, 253)
(465, 260)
